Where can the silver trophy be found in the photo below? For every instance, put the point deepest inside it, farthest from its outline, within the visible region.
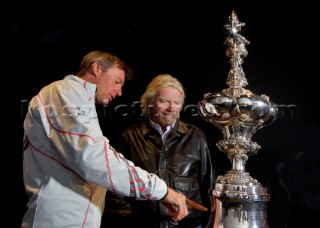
(239, 199)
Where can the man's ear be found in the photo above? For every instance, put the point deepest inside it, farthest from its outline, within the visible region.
(95, 67)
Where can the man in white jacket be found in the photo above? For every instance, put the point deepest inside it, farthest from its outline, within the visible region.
(68, 164)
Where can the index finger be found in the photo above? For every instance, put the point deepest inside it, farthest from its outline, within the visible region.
(195, 205)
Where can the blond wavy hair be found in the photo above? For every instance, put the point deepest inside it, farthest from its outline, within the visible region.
(157, 83)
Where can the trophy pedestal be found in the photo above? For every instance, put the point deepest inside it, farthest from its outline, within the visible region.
(240, 206)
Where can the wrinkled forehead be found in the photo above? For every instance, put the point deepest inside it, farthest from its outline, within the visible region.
(170, 94)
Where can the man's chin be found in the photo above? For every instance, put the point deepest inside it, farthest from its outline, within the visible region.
(105, 102)
(169, 122)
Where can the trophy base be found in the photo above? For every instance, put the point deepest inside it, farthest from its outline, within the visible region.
(240, 206)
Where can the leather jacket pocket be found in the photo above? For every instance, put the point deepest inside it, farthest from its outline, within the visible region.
(186, 185)
(190, 188)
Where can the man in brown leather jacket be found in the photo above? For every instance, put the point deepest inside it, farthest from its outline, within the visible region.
(176, 151)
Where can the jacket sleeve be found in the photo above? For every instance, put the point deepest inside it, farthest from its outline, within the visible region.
(208, 177)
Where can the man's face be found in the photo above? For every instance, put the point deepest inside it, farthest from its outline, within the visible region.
(166, 107)
(109, 85)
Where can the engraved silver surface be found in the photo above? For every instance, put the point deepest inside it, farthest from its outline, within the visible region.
(238, 113)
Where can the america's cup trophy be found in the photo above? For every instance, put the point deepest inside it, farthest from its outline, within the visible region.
(240, 200)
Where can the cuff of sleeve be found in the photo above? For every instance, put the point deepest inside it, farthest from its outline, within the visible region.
(165, 195)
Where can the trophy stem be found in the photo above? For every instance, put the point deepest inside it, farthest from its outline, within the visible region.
(238, 164)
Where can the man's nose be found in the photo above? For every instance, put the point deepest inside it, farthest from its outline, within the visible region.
(170, 106)
(119, 92)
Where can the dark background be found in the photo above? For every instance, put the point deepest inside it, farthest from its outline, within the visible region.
(48, 42)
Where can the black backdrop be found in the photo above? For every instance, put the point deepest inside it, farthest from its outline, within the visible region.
(48, 43)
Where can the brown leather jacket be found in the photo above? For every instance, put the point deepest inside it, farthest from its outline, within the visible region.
(183, 162)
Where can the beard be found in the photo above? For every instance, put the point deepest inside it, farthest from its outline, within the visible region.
(165, 118)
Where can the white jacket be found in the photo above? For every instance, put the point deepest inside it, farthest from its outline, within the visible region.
(68, 164)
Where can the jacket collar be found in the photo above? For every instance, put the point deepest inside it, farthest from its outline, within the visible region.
(178, 128)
